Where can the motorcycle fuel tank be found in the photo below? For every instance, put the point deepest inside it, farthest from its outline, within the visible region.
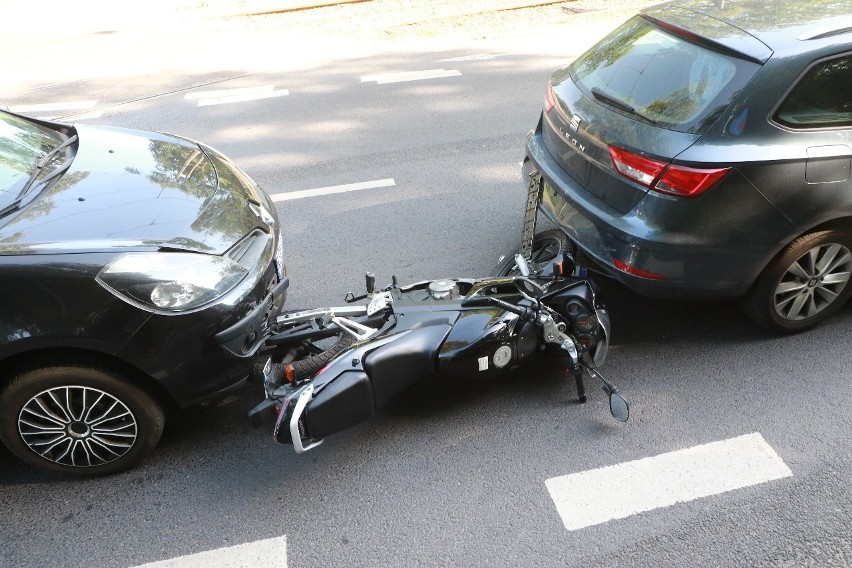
(481, 345)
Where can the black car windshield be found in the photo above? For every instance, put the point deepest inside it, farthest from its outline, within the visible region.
(661, 77)
(23, 145)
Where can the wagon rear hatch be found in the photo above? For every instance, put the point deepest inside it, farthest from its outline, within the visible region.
(643, 95)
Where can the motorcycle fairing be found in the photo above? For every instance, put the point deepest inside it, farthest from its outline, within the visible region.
(352, 395)
(344, 402)
(399, 364)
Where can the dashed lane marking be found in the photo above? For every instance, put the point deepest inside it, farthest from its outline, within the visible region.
(402, 77)
(53, 107)
(228, 96)
(269, 553)
(615, 492)
(84, 116)
(333, 189)
(475, 57)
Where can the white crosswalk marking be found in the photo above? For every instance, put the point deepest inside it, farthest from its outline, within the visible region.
(615, 492)
(269, 553)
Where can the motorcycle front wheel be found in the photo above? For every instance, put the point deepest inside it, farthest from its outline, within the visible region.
(546, 246)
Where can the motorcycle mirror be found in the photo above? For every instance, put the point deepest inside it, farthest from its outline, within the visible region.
(618, 407)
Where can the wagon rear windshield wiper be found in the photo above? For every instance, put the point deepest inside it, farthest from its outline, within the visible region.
(37, 171)
(618, 103)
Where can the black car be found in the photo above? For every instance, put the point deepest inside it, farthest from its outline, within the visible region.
(703, 150)
(138, 271)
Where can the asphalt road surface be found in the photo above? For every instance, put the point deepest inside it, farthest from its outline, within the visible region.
(736, 453)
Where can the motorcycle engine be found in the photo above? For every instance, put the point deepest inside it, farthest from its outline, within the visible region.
(443, 289)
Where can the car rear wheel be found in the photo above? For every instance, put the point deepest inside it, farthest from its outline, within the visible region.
(807, 282)
(78, 420)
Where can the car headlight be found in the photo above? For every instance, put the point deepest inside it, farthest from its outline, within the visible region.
(170, 283)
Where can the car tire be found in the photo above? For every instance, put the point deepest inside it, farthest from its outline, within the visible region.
(545, 247)
(807, 282)
(78, 419)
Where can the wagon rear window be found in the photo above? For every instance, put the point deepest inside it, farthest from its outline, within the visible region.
(663, 77)
(822, 98)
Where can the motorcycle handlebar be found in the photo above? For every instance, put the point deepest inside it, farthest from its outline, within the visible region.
(523, 312)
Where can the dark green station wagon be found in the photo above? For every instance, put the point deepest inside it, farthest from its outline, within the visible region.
(703, 150)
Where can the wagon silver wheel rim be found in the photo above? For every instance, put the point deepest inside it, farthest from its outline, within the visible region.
(77, 426)
(814, 282)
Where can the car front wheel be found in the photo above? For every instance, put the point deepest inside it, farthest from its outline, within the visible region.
(807, 282)
(78, 420)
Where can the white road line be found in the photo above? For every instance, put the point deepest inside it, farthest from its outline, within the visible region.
(477, 57)
(229, 92)
(226, 96)
(269, 553)
(615, 492)
(53, 107)
(84, 116)
(410, 76)
(333, 189)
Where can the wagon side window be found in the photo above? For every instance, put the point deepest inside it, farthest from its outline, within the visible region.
(822, 98)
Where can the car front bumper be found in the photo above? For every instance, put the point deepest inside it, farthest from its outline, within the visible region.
(194, 359)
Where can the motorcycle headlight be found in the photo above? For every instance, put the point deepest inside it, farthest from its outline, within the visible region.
(170, 283)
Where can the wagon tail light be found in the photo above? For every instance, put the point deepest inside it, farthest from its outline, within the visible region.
(549, 99)
(665, 178)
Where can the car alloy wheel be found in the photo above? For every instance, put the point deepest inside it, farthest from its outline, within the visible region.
(805, 283)
(77, 426)
(78, 418)
(813, 282)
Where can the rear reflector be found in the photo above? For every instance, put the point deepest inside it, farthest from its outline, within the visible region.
(637, 271)
(659, 176)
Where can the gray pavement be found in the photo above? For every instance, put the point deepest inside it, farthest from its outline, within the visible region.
(112, 41)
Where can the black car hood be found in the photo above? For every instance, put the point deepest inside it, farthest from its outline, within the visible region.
(132, 189)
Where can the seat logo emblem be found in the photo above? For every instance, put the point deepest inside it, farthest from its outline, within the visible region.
(575, 123)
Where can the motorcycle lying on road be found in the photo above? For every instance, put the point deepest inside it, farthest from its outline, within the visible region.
(332, 368)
